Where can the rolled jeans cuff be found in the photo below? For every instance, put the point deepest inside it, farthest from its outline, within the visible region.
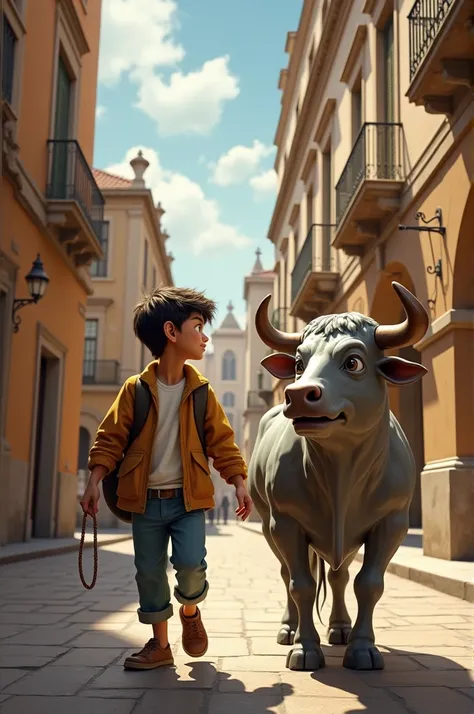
(191, 600)
(150, 618)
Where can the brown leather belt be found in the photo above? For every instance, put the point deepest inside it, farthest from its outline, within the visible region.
(164, 492)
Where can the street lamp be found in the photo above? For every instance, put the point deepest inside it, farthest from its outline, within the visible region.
(37, 282)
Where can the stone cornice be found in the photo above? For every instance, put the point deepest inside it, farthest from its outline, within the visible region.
(75, 26)
(449, 321)
(354, 52)
(328, 45)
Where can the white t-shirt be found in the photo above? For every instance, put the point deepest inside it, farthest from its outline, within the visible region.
(166, 465)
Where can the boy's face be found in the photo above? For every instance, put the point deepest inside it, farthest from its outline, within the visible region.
(191, 341)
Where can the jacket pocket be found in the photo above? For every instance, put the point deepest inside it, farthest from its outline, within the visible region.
(201, 482)
(130, 475)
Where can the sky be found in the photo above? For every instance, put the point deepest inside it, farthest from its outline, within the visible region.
(193, 84)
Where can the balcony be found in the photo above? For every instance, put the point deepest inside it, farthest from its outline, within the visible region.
(441, 53)
(369, 189)
(314, 280)
(280, 318)
(255, 401)
(101, 372)
(75, 205)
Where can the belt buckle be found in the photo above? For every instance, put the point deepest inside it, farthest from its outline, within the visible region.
(167, 491)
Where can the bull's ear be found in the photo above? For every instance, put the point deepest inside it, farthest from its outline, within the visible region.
(280, 365)
(400, 371)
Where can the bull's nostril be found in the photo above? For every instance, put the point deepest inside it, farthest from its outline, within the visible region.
(287, 398)
(314, 395)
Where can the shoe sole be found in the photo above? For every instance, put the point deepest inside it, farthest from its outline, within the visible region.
(200, 654)
(140, 665)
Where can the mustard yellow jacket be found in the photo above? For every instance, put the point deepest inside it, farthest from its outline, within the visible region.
(112, 438)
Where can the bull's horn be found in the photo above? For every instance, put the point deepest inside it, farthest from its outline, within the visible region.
(277, 340)
(408, 332)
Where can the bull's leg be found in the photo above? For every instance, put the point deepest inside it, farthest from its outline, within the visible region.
(339, 619)
(289, 621)
(381, 545)
(306, 654)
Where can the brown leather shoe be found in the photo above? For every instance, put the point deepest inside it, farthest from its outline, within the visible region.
(151, 656)
(194, 640)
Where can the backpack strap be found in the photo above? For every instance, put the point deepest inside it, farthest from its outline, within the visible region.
(200, 407)
(140, 411)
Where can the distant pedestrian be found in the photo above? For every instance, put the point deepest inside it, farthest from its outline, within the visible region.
(210, 515)
(225, 503)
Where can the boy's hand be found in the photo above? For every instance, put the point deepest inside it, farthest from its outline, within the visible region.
(245, 502)
(90, 500)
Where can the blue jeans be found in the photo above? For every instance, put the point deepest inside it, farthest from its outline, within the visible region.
(162, 519)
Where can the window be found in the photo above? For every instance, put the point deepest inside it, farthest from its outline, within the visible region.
(228, 366)
(8, 60)
(145, 264)
(356, 108)
(99, 268)
(90, 348)
(228, 400)
(388, 70)
(327, 191)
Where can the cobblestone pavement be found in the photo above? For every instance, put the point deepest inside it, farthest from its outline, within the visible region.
(61, 647)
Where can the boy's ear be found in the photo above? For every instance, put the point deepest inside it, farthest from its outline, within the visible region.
(400, 371)
(280, 365)
(170, 330)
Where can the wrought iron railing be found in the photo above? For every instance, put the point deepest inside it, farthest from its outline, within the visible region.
(70, 178)
(377, 154)
(310, 259)
(100, 371)
(99, 268)
(8, 60)
(280, 318)
(425, 20)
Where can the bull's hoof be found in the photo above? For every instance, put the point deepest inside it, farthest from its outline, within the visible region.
(286, 635)
(307, 660)
(338, 634)
(362, 655)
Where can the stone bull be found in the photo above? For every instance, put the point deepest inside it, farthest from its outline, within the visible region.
(332, 470)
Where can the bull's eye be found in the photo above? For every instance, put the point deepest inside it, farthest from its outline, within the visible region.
(354, 364)
(299, 367)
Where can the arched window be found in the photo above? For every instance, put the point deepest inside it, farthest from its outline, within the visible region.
(230, 419)
(228, 400)
(228, 366)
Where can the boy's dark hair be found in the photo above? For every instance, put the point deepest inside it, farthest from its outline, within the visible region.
(165, 304)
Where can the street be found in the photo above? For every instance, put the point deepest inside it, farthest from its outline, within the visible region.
(62, 647)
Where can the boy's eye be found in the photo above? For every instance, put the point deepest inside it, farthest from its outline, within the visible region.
(198, 328)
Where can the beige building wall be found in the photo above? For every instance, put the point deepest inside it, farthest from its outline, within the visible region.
(135, 261)
(376, 131)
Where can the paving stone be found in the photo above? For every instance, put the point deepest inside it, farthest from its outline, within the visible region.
(105, 640)
(313, 705)
(331, 682)
(30, 618)
(428, 678)
(53, 681)
(187, 674)
(222, 647)
(171, 701)
(239, 682)
(87, 657)
(45, 636)
(434, 700)
(440, 663)
(8, 676)
(249, 703)
(73, 705)
(113, 693)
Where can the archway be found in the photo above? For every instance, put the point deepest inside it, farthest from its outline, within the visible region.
(84, 447)
(405, 402)
(463, 279)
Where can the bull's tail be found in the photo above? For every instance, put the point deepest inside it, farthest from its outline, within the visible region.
(321, 585)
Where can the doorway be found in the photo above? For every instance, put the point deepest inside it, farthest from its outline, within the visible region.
(43, 504)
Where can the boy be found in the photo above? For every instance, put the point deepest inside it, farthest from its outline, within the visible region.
(164, 480)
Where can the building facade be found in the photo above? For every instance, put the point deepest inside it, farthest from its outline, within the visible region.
(135, 261)
(51, 207)
(376, 140)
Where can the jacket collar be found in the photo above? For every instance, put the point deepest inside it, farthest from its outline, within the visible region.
(193, 377)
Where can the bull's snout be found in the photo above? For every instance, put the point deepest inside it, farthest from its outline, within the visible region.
(298, 399)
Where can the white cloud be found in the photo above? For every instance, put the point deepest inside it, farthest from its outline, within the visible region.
(136, 35)
(264, 184)
(189, 103)
(193, 220)
(239, 163)
(100, 111)
(137, 39)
